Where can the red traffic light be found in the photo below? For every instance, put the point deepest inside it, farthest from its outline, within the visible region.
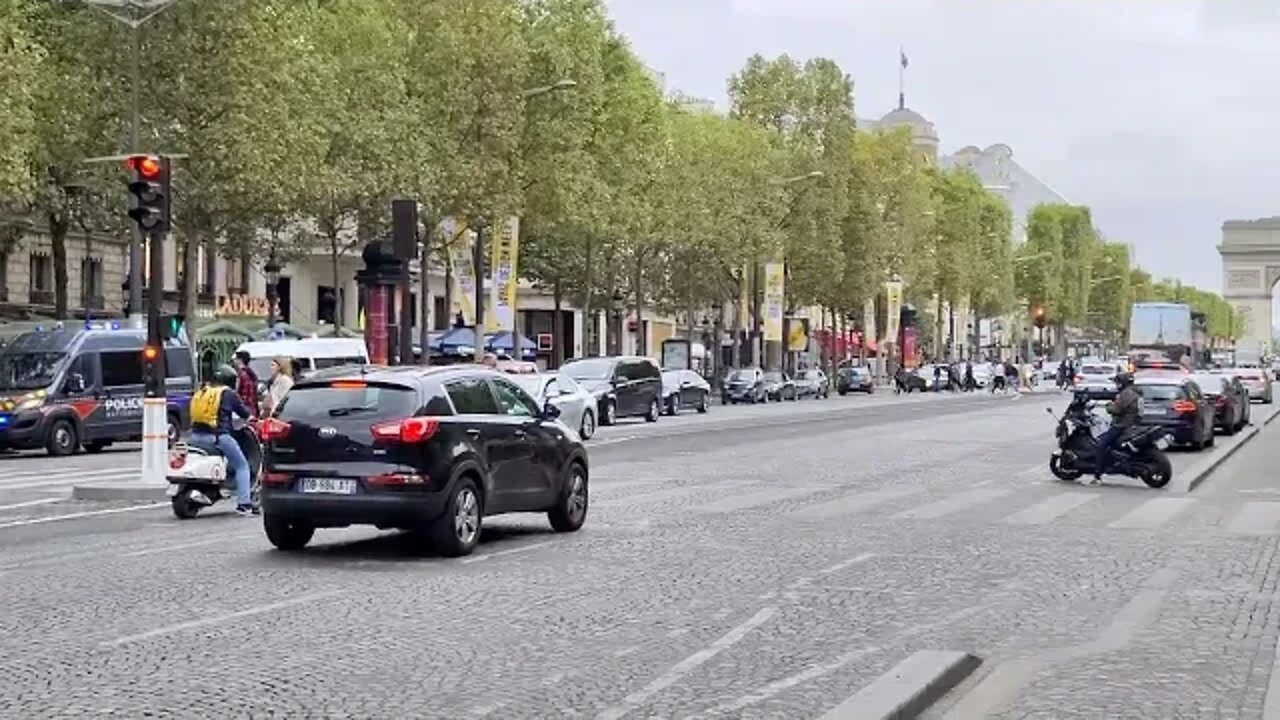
(147, 166)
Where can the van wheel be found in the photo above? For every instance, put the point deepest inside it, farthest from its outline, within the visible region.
(173, 429)
(63, 439)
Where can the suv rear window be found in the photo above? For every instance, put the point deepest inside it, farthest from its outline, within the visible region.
(1160, 392)
(349, 410)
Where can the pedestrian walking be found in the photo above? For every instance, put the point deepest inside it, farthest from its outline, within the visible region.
(280, 384)
(246, 386)
(969, 382)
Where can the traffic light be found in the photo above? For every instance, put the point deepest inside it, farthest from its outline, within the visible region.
(153, 370)
(171, 326)
(1039, 316)
(149, 193)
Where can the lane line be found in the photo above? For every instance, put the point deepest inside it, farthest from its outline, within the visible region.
(686, 666)
(854, 502)
(747, 501)
(89, 513)
(955, 503)
(856, 560)
(193, 544)
(504, 553)
(30, 503)
(202, 622)
(87, 480)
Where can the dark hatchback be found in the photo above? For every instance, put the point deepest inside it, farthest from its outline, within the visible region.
(623, 386)
(1230, 401)
(424, 449)
(854, 379)
(1179, 406)
(745, 385)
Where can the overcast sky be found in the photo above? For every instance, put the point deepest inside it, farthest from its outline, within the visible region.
(1161, 115)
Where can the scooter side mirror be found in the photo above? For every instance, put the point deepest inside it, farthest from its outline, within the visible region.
(1049, 410)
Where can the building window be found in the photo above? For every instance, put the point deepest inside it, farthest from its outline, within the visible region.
(41, 280)
(91, 283)
(209, 270)
(440, 319)
(234, 271)
(4, 277)
(326, 305)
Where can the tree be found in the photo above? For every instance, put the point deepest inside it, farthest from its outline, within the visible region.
(20, 65)
(1110, 294)
(993, 293)
(957, 246)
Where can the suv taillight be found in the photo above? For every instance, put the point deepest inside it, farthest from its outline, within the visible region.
(409, 430)
(273, 429)
(1184, 406)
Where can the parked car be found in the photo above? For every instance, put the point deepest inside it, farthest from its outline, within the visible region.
(744, 385)
(1257, 381)
(932, 382)
(684, 388)
(433, 449)
(1178, 405)
(777, 386)
(1096, 376)
(1230, 401)
(577, 406)
(624, 386)
(813, 383)
(855, 379)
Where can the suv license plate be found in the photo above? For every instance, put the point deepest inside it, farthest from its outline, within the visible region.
(329, 486)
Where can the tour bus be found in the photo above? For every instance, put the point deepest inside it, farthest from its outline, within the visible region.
(71, 386)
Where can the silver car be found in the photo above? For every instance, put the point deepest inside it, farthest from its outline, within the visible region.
(577, 406)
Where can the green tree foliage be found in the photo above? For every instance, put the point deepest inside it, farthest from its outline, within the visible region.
(20, 64)
(1110, 294)
(992, 290)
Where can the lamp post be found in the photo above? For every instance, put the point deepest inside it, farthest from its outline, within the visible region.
(272, 272)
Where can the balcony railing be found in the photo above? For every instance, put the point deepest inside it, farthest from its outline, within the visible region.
(41, 297)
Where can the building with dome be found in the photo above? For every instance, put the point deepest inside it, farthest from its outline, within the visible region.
(1002, 175)
(923, 134)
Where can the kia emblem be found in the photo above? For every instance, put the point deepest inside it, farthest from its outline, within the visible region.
(328, 432)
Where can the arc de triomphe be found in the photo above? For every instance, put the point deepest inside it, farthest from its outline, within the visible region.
(1250, 253)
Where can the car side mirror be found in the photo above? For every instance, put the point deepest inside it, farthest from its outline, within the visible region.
(75, 383)
(566, 391)
(550, 412)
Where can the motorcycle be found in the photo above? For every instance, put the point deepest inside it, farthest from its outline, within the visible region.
(1140, 453)
(198, 474)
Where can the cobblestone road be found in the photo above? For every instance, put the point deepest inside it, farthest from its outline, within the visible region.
(759, 563)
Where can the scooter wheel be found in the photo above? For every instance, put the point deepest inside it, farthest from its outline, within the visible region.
(1061, 472)
(1159, 472)
(184, 508)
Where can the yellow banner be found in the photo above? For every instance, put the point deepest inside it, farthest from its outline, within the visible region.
(460, 242)
(893, 309)
(774, 298)
(504, 262)
(799, 340)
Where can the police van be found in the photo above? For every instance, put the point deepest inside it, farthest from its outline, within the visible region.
(67, 387)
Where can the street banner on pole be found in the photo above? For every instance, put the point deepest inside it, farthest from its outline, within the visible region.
(502, 292)
(893, 309)
(460, 242)
(774, 297)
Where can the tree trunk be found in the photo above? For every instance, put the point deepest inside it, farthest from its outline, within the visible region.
(448, 284)
(190, 284)
(339, 312)
(937, 330)
(425, 309)
(739, 313)
(642, 337)
(58, 226)
(557, 324)
(590, 344)
(245, 259)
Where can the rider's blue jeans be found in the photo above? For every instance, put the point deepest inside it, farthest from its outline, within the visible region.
(236, 461)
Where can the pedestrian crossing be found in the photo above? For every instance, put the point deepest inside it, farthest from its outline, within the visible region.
(1029, 507)
(54, 478)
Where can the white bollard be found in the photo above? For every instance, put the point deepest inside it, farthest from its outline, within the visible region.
(155, 442)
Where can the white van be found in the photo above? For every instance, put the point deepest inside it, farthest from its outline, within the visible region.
(308, 353)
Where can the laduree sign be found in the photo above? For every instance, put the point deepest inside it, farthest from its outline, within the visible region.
(241, 306)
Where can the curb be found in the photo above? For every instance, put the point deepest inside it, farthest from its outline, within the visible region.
(120, 491)
(1203, 471)
(909, 688)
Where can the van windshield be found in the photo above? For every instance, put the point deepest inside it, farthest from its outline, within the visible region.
(29, 370)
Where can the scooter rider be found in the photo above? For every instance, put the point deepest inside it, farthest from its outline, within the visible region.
(1125, 410)
(211, 409)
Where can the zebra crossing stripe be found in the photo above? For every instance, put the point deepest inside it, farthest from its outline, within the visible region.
(1051, 509)
(1152, 514)
(955, 503)
(1256, 518)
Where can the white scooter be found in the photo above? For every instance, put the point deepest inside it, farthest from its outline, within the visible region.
(199, 477)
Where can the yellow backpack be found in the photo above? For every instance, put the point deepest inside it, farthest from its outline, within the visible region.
(204, 405)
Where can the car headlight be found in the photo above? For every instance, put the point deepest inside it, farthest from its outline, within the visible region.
(28, 404)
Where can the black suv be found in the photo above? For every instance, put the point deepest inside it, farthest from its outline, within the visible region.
(434, 449)
(623, 386)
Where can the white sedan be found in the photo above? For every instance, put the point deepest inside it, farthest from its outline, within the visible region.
(577, 406)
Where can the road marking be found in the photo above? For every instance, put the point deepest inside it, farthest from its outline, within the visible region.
(1152, 514)
(686, 666)
(853, 503)
(202, 622)
(1256, 518)
(674, 493)
(678, 632)
(197, 543)
(750, 500)
(78, 480)
(626, 651)
(856, 560)
(30, 503)
(89, 513)
(504, 553)
(955, 503)
(1034, 471)
(1051, 509)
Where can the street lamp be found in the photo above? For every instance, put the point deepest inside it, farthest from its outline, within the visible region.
(134, 14)
(615, 304)
(272, 271)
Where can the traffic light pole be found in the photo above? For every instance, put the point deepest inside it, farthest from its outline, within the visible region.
(155, 417)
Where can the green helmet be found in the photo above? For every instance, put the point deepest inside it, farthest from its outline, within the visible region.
(225, 375)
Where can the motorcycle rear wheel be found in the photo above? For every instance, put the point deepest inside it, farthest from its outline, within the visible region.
(1159, 472)
(184, 508)
(1062, 473)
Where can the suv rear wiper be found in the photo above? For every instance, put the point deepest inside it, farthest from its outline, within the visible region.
(343, 412)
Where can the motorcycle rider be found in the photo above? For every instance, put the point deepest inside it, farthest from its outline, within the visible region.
(1125, 410)
(211, 409)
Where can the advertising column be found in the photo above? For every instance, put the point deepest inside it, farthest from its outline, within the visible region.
(502, 293)
(461, 241)
(774, 299)
(893, 316)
